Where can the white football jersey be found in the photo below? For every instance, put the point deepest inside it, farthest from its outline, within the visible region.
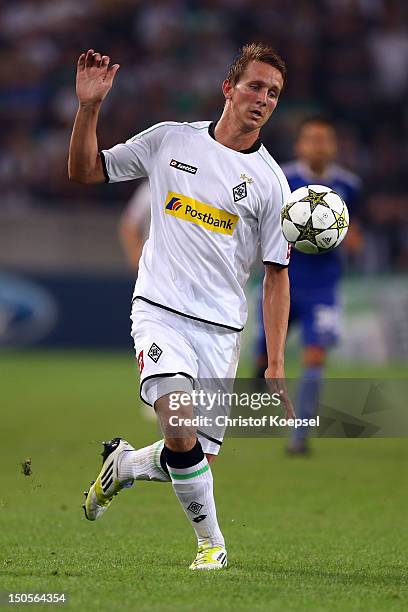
(211, 208)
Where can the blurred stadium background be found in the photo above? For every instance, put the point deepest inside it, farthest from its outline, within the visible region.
(67, 369)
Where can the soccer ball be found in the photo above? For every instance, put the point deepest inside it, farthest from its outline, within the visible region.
(314, 219)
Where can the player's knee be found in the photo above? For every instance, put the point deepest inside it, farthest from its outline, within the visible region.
(210, 458)
(176, 421)
(175, 407)
(314, 357)
(180, 444)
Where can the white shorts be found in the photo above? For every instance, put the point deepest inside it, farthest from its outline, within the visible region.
(175, 353)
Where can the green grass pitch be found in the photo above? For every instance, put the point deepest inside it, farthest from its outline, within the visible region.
(324, 534)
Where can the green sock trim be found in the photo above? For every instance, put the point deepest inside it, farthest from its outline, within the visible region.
(192, 475)
(156, 456)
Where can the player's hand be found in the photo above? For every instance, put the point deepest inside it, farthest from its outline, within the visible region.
(94, 77)
(275, 380)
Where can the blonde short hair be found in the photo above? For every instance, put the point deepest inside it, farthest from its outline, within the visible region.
(258, 52)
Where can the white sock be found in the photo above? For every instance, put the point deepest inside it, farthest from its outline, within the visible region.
(193, 486)
(143, 464)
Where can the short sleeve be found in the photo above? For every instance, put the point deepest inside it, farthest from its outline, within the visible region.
(274, 247)
(133, 159)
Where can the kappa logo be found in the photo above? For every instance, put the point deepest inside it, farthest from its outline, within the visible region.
(209, 217)
(240, 191)
(185, 167)
(154, 352)
(195, 507)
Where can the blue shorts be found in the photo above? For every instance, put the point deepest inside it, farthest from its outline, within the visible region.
(317, 312)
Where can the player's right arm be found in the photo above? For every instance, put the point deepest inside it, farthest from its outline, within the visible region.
(93, 81)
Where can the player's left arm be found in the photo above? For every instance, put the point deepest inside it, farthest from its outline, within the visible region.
(132, 241)
(276, 303)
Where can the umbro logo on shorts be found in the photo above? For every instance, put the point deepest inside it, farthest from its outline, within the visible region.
(155, 352)
(185, 167)
(195, 507)
(240, 192)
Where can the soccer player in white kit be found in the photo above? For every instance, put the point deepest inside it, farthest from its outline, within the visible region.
(216, 196)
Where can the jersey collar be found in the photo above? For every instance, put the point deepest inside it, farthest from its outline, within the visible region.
(257, 144)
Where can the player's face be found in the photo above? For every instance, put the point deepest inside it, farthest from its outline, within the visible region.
(316, 144)
(254, 98)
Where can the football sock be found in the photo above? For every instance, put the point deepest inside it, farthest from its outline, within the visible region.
(193, 484)
(144, 464)
(308, 398)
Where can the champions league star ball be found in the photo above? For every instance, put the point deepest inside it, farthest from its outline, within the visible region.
(314, 219)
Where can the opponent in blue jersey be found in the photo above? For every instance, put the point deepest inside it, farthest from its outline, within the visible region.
(314, 279)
